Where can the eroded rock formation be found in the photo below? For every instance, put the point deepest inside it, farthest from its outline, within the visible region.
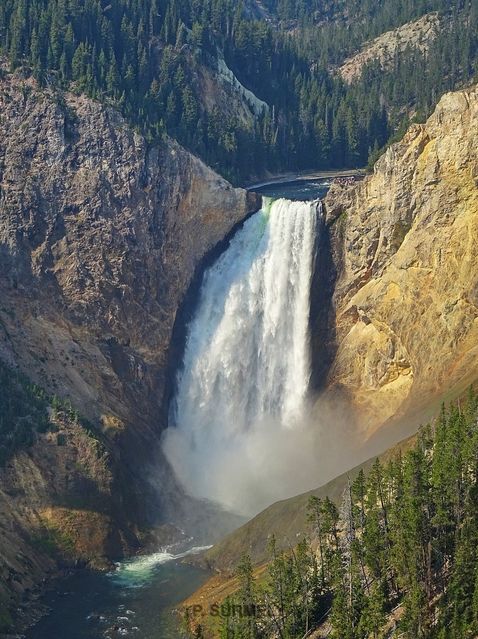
(100, 237)
(405, 306)
(101, 234)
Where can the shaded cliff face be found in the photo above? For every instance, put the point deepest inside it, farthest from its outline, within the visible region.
(57, 509)
(101, 235)
(403, 328)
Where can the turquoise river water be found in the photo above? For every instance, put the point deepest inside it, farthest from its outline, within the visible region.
(135, 600)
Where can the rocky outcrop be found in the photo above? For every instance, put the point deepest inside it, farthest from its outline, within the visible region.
(101, 234)
(418, 35)
(404, 318)
(57, 510)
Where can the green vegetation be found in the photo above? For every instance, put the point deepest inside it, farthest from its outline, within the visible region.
(52, 541)
(23, 412)
(401, 548)
(6, 621)
(145, 56)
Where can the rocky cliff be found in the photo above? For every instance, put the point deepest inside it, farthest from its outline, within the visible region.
(100, 237)
(101, 234)
(403, 323)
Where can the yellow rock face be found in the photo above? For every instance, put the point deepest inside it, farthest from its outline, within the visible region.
(406, 296)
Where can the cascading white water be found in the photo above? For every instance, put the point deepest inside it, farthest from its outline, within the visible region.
(243, 386)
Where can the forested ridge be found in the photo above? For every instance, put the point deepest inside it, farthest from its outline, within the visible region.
(398, 557)
(145, 56)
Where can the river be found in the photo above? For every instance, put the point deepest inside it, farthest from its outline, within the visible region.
(135, 600)
(304, 189)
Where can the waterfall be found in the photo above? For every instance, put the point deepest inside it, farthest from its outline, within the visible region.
(246, 369)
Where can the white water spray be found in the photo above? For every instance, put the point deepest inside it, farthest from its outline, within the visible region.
(237, 418)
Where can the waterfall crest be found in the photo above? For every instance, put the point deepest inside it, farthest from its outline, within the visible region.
(246, 365)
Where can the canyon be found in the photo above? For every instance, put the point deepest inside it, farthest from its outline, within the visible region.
(102, 236)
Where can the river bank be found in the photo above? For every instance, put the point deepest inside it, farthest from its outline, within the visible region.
(283, 178)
